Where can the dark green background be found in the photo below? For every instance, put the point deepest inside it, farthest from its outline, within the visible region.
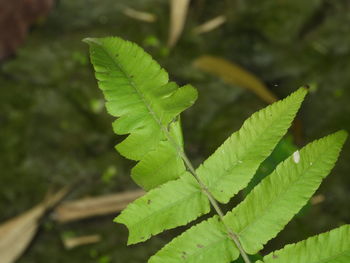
(54, 129)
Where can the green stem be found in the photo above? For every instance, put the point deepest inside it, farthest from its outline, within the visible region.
(211, 198)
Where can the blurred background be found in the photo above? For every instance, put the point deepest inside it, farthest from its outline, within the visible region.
(56, 137)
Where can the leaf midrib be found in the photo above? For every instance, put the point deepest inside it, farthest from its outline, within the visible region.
(139, 93)
(168, 207)
(265, 211)
(214, 185)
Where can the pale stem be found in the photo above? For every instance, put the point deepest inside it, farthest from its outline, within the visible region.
(211, 198)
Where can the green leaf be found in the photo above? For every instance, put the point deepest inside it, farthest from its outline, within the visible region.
(234, 163)
(273, 203)
(206, 242)
(137, 91)
(164, 161)
(173, 204)
(330, 247)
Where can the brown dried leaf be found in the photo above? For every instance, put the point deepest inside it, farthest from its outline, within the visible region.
(17, 233)
(317, 199)
(210, 25)
(96, 206)
(235, 75)
(73, 242)
(139, 15)
(178, 14)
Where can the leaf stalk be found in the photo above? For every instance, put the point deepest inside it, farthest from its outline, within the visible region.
(211, 198)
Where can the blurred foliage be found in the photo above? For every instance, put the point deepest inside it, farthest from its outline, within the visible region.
(54, 130)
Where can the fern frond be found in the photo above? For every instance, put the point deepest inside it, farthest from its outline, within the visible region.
(270, 206)
(273, 203)
(142, 214)
(173, 204)
(234, 163)
(138, 93)
(206, 242)
(330, 247)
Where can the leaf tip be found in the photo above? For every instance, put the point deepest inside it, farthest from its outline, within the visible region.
(305, 87)
(132, 240)
(91, 40)
(193, 92)
(119, 220)
(341, 135)
(303, 90)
